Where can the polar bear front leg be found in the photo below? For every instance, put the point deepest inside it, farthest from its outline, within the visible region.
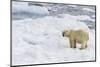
(74, 46)
(72, 43)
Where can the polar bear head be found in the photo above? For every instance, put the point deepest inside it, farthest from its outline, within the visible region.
(66, 33)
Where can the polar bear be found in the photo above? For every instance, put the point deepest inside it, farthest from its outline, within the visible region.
(77, 36)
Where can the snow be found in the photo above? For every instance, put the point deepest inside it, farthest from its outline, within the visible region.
(89, 9)
(73, 5)
(37, 41)
(85, 17)
(23, 7)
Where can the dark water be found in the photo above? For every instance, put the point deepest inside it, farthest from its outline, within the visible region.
(56, 9)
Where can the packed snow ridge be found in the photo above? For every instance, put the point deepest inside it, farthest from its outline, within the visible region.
(37, 41)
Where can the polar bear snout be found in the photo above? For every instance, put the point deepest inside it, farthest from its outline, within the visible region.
(63, 34)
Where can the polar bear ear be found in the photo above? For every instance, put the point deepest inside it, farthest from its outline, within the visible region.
(66, 30)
